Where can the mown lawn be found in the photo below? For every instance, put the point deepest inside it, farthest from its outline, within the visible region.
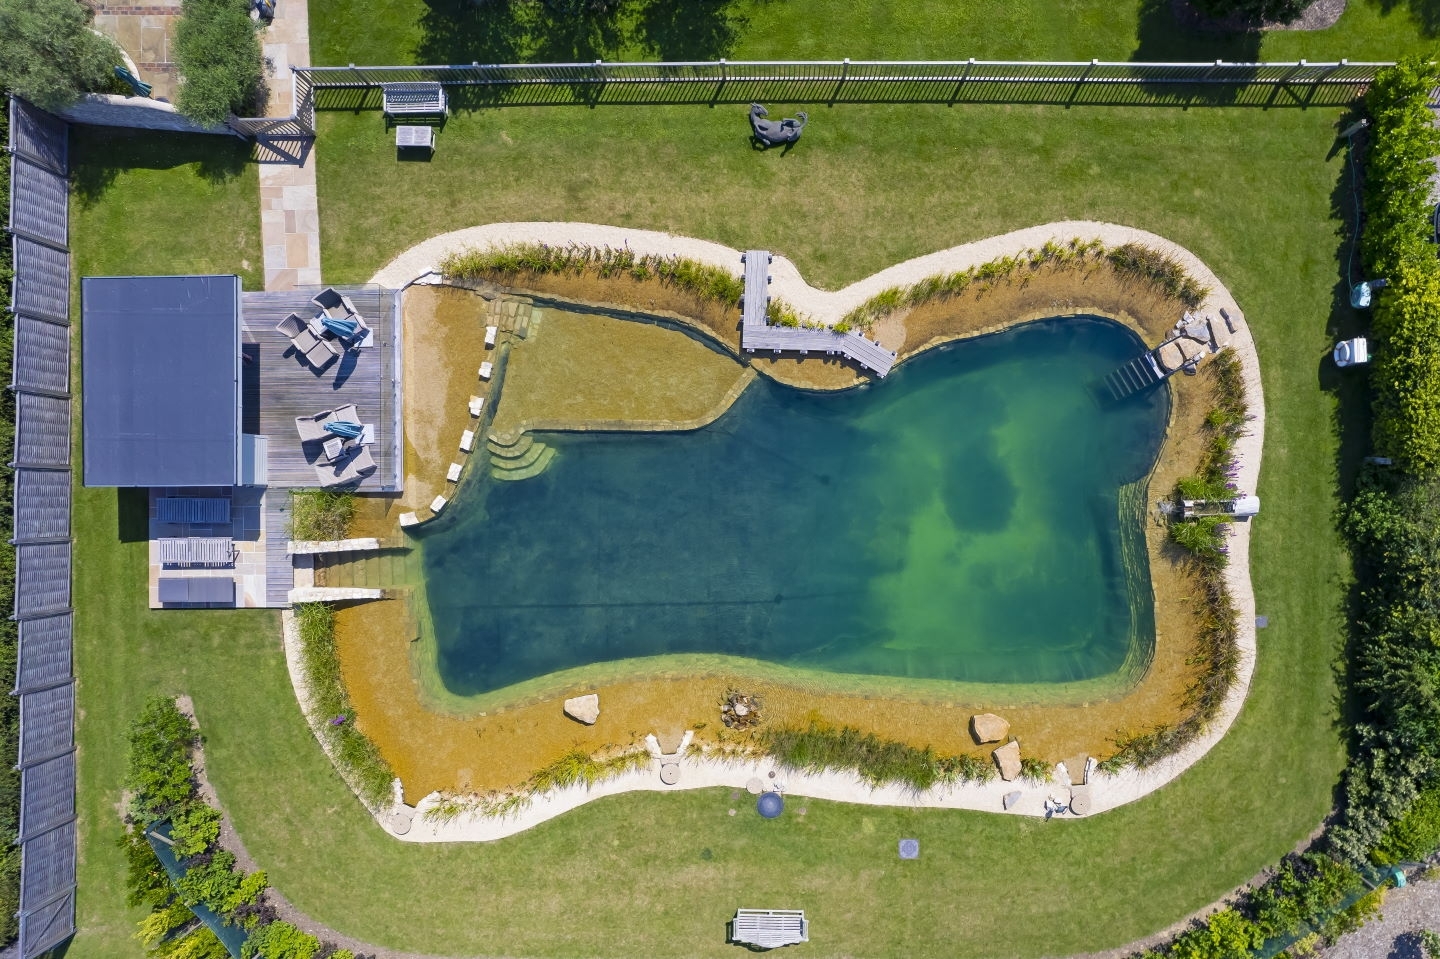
(1256, 193)
(461, 31)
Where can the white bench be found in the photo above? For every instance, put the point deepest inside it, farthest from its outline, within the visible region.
(420, 138)
(769, 928)
(414, 99)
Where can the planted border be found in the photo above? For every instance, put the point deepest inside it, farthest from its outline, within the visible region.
(572, 769)
(1130, 260)
(332, 713)
(701, 280)
(321, 515)
(162, 786)
(9, 632)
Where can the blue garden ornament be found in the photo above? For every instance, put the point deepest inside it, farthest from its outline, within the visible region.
(1362, 293)
(345, 428)
(343, 327)
(770, 805)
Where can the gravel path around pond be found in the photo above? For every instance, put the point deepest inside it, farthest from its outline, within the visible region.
(1395, 935)
(1107, 791)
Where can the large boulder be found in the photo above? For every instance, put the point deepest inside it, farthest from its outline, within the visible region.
(1007, 757)
(584, 709)
(989, 728)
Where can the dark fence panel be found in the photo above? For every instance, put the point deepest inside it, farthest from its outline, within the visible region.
(44, 656)
(47, 796)
(42, 430)
(42, 280)
(42, 506)
(41, 360)
(831, 81)
(40, 377)
(42, 579)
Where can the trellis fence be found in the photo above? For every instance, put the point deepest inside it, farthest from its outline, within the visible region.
(40, 380)
(1298, 83)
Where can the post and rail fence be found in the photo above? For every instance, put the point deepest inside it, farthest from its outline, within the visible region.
(1298, 83)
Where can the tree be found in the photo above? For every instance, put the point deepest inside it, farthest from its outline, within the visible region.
(217, 49)
(1256, 11)
(51, 55)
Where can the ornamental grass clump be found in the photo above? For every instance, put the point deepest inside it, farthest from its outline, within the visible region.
(701, 280)
(877, 761)
(357, 757)
(321, 515)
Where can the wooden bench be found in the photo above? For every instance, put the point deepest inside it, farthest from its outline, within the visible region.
(769, 928)
(421, 99)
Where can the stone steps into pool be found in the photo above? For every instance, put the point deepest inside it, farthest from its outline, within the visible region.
(540, 463)
(507, 447)
(1140, 373)
(523, 460)
(377, 570)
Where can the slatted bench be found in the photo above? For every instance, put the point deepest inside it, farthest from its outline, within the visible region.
(419, 99)
(416, 137)
(193, 509)
(769, 928)
(196, 550)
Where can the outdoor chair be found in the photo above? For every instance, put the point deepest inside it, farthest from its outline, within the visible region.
(335, 304)
(321, 354)
(313, 427)
(291, 326)
(347, 470)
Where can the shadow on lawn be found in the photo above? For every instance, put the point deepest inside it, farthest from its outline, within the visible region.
(1425, 14)
(103, 153)
(574, 31)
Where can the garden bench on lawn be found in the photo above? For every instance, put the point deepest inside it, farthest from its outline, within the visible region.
(414, 99)
(417, 137)
(769, 928)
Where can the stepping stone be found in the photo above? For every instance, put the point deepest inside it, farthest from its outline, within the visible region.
(670, 773)
(490, 332)
(437, 504)
(1011, 799)
(477, 403)
(989, 728)
(467, 441)
(486, 369)
(409, 519)
(1007, 757)
(453, 473)
(583, 709)
(1079, 800)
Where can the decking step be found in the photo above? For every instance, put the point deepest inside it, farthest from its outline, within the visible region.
(534, 469)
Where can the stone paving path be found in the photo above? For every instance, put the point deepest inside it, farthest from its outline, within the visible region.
(146, 31)
(289, 208)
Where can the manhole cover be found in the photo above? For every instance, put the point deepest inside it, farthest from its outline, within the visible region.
(400, 823)
(670, 773)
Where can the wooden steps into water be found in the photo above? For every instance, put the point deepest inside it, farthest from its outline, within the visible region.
(1139, 374)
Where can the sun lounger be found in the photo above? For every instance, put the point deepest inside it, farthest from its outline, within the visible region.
(313, 427)
(347, 470)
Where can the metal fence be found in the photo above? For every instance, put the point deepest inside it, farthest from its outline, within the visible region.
(40, 378)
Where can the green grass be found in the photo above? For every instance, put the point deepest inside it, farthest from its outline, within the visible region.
(461, 31)
(1250, 191)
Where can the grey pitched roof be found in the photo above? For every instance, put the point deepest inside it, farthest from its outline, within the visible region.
(161, 370)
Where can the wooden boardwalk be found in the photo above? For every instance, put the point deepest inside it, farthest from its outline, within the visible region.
(279, 385)
(279, 567)
(756, 333)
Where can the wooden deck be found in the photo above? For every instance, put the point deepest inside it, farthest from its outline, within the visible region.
(756, 333)
(279, 385)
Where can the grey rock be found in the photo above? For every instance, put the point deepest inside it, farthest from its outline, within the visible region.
(584, 709)
(1007, 757)
(989, 728)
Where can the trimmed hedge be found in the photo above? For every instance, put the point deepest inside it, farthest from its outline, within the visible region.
(217, 51)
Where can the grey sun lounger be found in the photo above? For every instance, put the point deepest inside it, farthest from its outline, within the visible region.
(312, 428)
(347, 470)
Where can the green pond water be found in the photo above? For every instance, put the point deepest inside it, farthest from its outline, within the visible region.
(960, 520)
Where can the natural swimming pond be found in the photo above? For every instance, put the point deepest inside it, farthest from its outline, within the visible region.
(960, 520)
